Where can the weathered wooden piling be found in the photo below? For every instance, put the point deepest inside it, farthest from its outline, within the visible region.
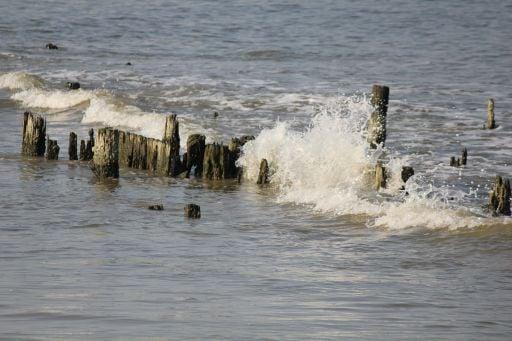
(194, 157)
(157, 207)
(499, 197)
(73, 85)
(105, 162)
(172, 137)
(263, 174)
(407, 172)
(218, 162)
(490, 124)
(86, 149)
(380, 176)
(192, 211)
(377, 121)
(34, 135)
(72, 148)
(52, 149)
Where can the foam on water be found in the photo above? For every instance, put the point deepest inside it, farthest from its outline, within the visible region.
(327, 167)
(20, 81)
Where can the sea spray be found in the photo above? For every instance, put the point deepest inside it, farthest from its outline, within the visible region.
(326, 167)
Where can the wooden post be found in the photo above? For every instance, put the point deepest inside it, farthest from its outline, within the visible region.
(72, 149)
(86, 149)
(377, 121)
(464, 158)
(172, 136)
(34, 135)
(263, 175)
(192, 211)
(105, 162)
(499, 197)
(195, 154)
(380, 176)
(490, 124)
(215, 163)
(52, 149)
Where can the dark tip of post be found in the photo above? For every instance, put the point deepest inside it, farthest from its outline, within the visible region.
(129, 63)
(192, 211)
(73, 146)
(51, 46)
(34, 135)
(499, 197)
(73, 85)
(157, 207)
(215, 114)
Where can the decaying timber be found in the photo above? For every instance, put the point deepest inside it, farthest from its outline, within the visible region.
(192, 211)
(34, 135)
(72, 148)
(263, 174)
(491, 123)
(105, 162)
(499, 197)
(194, 157)
(52, 149)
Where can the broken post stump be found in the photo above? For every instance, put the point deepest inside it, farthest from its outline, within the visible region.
(499, 197)
(34, 135)
(52, 149)
(195, 155)
(380, 176)
(377, 121)
(263, 175)
(72, 149)
(105, 162)
(490, 124)
(192, 211)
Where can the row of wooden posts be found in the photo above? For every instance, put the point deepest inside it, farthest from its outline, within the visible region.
(112, 149)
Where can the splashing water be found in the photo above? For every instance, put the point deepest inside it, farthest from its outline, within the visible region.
(328, 167)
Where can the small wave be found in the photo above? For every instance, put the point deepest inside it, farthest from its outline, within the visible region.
(326, 168)
(53, 99)
(20, 81)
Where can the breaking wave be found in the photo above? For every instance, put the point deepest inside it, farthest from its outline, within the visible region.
(20, 81)
(328, 167)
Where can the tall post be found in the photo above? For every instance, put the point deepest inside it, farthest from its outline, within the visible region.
(34, 135)
(377, 121)
(105, 161)
(73, 144)
(490, 124)
(499, 197)
(52, 149)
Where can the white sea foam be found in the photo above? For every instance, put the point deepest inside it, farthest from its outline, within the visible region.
(326, 168)
(20, 81)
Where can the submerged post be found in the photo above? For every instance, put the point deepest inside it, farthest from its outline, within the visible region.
(490, 124)
(499, 197)
(464, 158)
(377, 121)
(34, 135)
(192, 211)
(105, 162)
(72, 149)
(52, 150)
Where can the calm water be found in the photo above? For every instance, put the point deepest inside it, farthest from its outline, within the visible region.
(316, 255)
